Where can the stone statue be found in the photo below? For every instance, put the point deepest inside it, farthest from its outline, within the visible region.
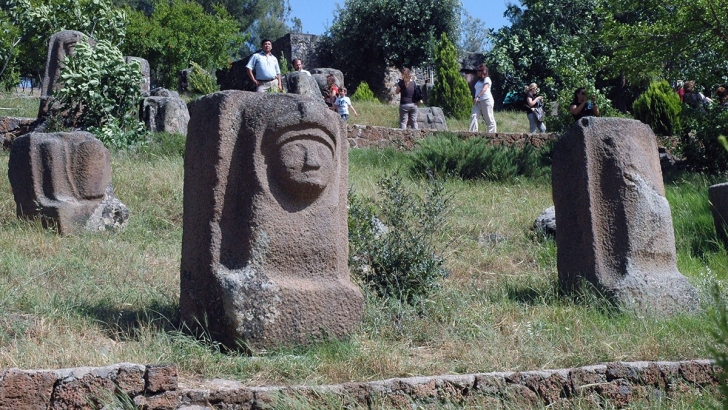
(265, 243)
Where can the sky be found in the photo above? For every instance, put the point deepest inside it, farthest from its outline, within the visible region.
(317, 15)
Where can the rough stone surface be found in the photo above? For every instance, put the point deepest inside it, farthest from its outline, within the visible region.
(13, 127)
(302, 84)
(718, 196)
(145, 85)
(64, 179)
(303, 46)
(431, 118)
(60, 45)
(607, 385)
(615, 226)
(264, 247)
(365, 136)
(164, 111)
(546, 222)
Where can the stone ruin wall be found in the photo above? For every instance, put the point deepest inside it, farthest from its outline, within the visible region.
(159, 387)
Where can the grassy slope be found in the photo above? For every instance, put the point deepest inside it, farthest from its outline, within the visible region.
(96, 299)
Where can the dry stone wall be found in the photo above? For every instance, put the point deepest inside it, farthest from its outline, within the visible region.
(159, 387)
(361, 136)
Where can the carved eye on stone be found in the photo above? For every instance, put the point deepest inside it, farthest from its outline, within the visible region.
(304, 163)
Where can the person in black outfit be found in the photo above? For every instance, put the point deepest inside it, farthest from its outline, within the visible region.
(581, 106)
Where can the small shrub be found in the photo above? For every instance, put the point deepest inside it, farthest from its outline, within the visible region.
(102, 93)
(447, 154)
(363, 93)
(201, 81)
(450, 91)
(700, 139)
(659, 107)
(392, 241)
(283, 65)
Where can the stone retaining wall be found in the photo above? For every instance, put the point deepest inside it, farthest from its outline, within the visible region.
(158, 387)
(13, 127)
(364, 136)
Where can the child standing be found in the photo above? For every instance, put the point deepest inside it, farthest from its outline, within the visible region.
(343, 102)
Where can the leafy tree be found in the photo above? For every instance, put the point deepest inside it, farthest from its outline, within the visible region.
(450, 91)
(178, 32)
(367, 36)
(555, 44)
(474, 35)
(246, 12)
(672, 38)
(34, 21)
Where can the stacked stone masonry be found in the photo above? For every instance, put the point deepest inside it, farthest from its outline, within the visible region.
(158, 387)
(361, 136)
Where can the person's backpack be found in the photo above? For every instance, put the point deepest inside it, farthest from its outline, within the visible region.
(417, 95)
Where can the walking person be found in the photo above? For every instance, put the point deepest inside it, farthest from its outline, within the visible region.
(263, 68)
(483, 101)
(533, 100)
(407, 106)
(344, 103)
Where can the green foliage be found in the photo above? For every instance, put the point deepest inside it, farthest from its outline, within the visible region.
(103, 93)
(659, 107)
(674, 39)
(555, 44)
(447, 154)
(450, 91)
(368, 36)
(284, 65)
(363, 93)
(474, 36)
(247, 12)
(201, 81)
(37, 20)
(392, 242)
(699, 138)
(177, 32)
(719, 349)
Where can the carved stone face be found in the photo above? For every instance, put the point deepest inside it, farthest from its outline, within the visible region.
(305, 163)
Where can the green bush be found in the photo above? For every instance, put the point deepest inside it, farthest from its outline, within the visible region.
(659, 107)
(283, 65)
(102, 93)
(447, 154)
(392, 241)
(450, 91)
(201, 81)
(563, 120)
(363, 93)
(700, 139)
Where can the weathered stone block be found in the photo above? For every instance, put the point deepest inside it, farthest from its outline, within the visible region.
(164, 111)
(718, 196)
(65, 180)
(615, 226)
(431, 118)
(145, 85)
(264, 247)
(60, 45)
(298, 82)
(21, 390)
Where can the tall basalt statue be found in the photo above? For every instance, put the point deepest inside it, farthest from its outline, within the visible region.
(264, 245)
(614, 222)
(60, 46)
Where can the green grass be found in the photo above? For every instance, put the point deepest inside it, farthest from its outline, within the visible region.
(96, 299)
(19, 104)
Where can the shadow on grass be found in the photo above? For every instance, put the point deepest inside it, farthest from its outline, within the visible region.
(128, 322)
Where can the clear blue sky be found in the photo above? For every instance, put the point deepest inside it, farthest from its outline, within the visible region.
(317, 15)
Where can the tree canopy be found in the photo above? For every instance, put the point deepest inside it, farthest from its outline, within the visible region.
(179, 32)
(367, 36)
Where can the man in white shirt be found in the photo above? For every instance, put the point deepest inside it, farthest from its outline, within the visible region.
(298, 66)
(263, 68)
